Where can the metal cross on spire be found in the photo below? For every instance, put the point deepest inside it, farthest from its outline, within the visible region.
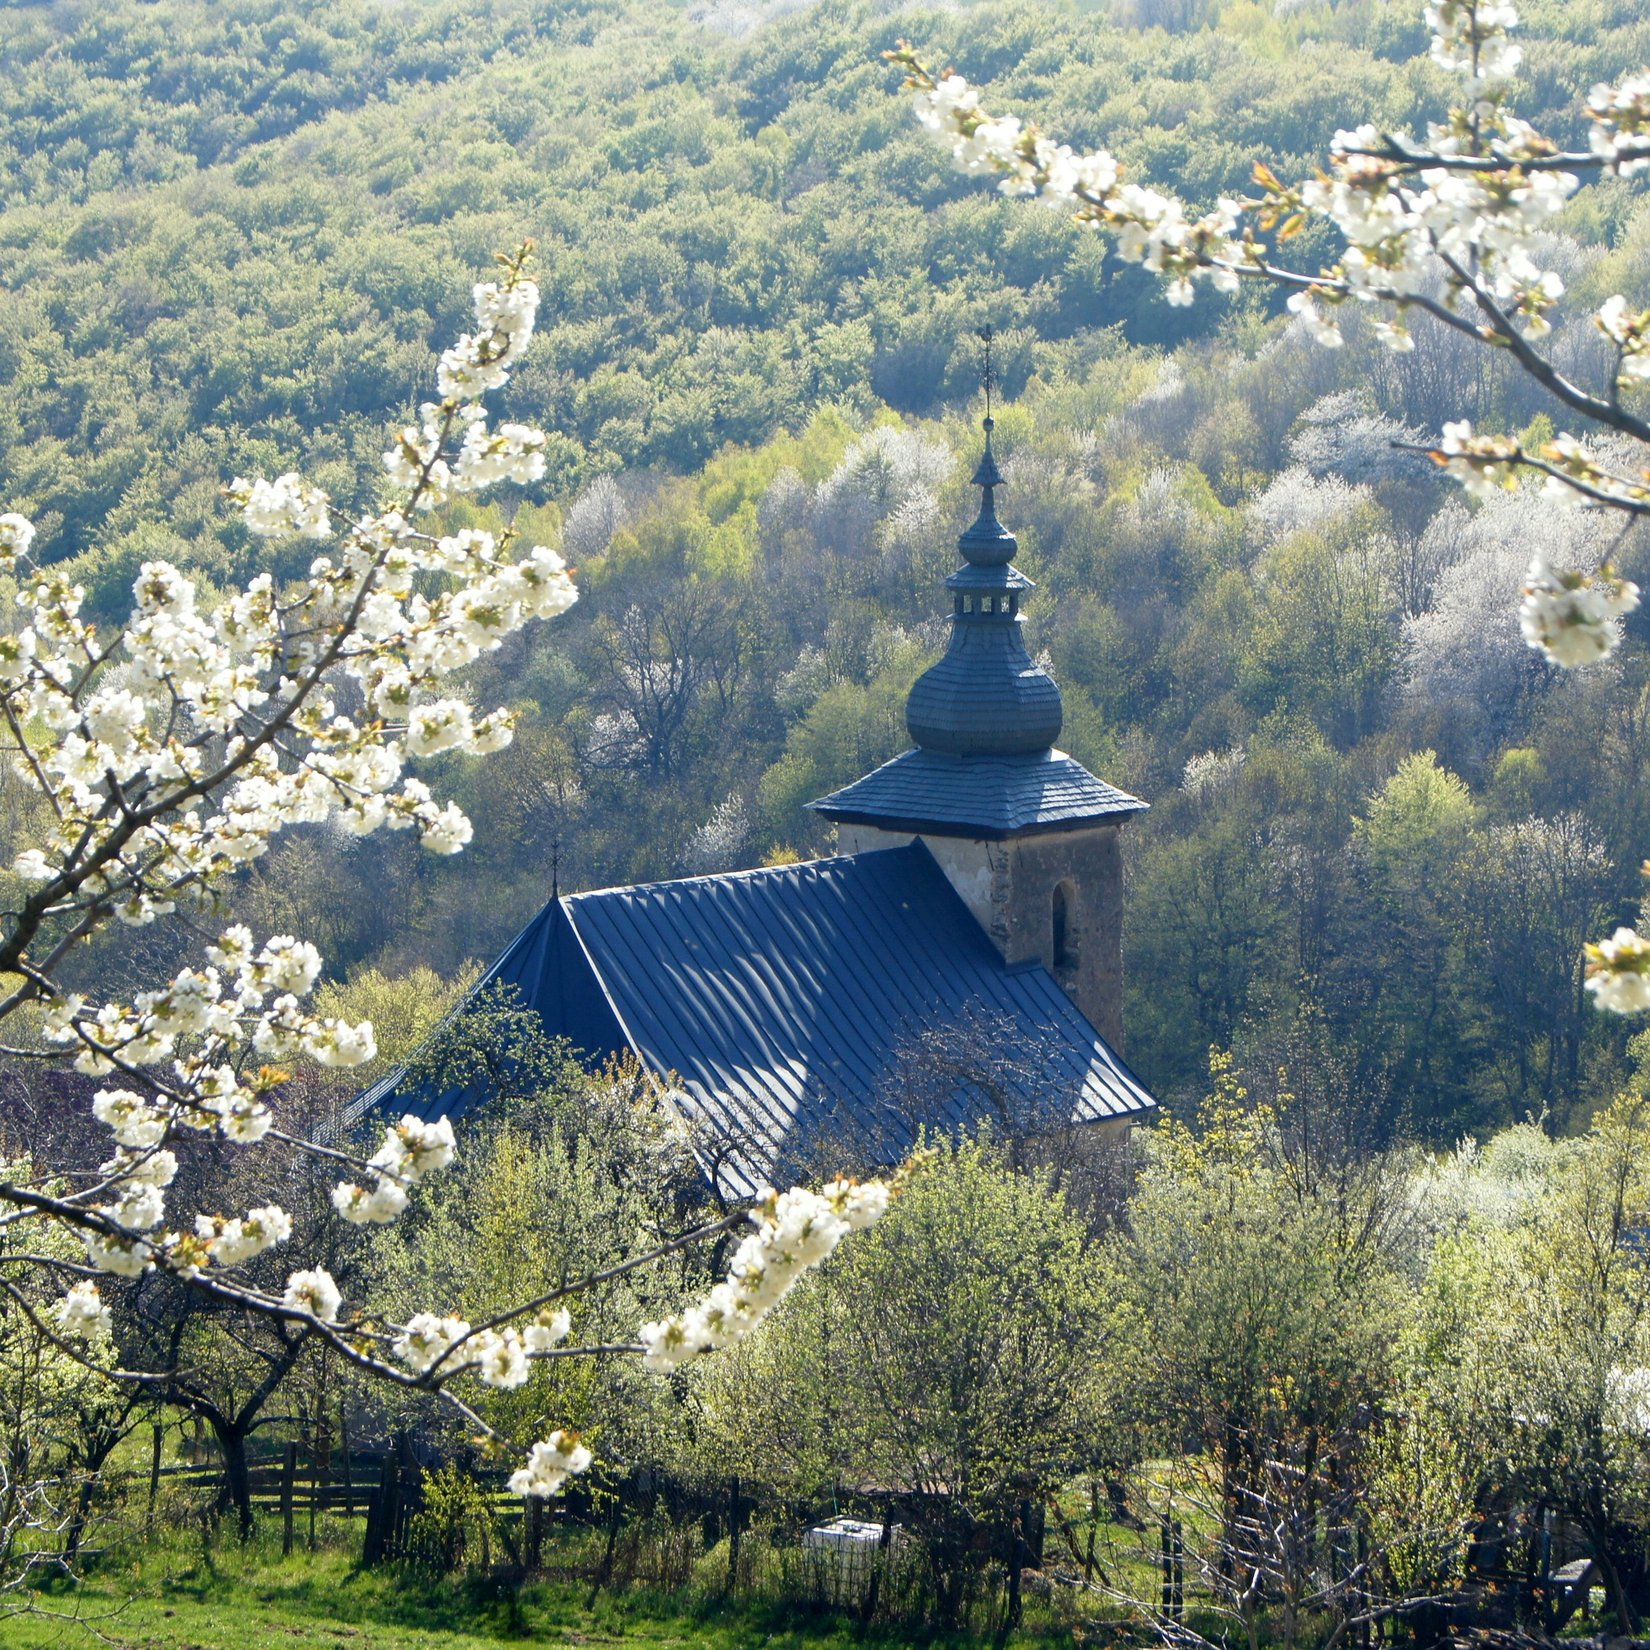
(988, 373)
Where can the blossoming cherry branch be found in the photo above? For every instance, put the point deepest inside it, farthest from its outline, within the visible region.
(163, 777)
(1448, 226)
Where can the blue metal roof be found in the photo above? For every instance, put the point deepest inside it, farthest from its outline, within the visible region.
(782, 1000)
(979, 796)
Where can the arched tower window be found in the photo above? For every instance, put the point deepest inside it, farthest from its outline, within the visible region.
(1065, 939)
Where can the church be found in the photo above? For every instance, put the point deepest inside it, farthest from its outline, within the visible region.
(971, 926)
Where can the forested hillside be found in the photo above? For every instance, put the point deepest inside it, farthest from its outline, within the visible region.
(1382, 826)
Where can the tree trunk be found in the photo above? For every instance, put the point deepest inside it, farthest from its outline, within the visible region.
(1627, 1620)
(237, 1478)
(83, 1505)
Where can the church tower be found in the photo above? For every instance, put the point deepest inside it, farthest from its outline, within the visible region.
(1027, 836)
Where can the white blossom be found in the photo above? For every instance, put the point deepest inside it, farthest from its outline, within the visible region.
(1621, 123)
(513, 453)
(795, 1231)
(415, 465)
(235, 1240)
(548, 1330)
(595, 516)
(282, 508)
(499, 1357)
(377, 1207)
(147, 1168)
(313, 1292)
(1481, 463)
(1572, 616)
(244, 1120)
(136, 1123)
(467, 369)
(943, 107)
(334, 1043)
(426, 1340)
(16, 535)
(437, 727)
(1618, 972)
(82, 1314)
(413, 1148)
(172, 756)
(1471, 36)
(1629, 331)
(550, 1464)
(722, 842)
(140, 1206)
(1213, 773)
(125, 1257)
(1304, 307)
(1396, 336)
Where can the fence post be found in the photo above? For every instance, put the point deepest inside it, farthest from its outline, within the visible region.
(539, 1513)
(289, 1472)
(1547, 1522)
(154, 1477)
(1363, 1589)
(389, 1532)
(606, 1568)
(349, 1482)
(1165, 1537)
(1016, 1561)
(868, 1608)
(320, 1465)
(733, 1532)
(1177, 1542)
(381, 1514)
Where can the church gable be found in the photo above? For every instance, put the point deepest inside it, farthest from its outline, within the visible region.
(783, 1001)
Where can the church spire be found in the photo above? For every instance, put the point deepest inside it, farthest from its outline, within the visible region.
(986, 697)
(988, 543)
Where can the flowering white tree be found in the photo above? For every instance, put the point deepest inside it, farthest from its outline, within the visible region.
(1449, 225)
(170, 754)
(595, 516)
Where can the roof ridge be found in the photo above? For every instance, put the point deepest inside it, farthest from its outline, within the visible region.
(744, 873)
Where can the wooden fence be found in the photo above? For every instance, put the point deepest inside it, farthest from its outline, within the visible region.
(299, 1486)
(387, 1486)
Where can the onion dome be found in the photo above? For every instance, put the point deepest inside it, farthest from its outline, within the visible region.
(986, 696)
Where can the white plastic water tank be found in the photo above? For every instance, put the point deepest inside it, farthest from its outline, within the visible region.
(850, 1536)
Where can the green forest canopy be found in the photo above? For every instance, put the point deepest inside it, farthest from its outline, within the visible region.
(233, 232)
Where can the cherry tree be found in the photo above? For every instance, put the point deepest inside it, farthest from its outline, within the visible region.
(1447, 225)
(170, 754)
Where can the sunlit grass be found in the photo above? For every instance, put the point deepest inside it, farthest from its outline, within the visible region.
(178, 1593)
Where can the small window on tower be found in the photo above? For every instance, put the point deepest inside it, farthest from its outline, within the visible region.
(1065, 951)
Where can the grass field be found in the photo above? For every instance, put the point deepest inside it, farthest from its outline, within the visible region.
(172, 1595)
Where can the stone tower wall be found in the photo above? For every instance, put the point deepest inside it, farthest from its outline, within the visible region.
(1009, 886)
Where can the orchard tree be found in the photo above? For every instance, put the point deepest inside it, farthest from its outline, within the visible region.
(1450, 226)
(1266, 1277)
(967, 1356)
(170, 753)
(1535, 1338)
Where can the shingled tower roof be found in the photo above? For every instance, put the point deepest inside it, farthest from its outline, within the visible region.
(986, 697)
(984, 718)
